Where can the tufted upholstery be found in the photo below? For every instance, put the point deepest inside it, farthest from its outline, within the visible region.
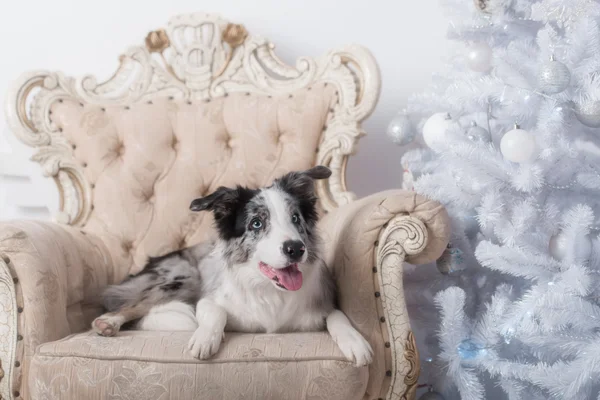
(147, 161)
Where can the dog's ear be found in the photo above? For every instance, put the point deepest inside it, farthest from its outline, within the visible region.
(301, 183)
(301, 186)
(220, 198)
(318, 172)
(227, 205)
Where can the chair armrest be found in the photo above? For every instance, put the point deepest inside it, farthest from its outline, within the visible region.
(366, 243)
(48, 275)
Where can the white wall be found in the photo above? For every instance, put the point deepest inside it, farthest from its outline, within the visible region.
(79, 37)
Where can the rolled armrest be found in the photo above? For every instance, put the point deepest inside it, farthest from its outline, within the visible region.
(50, 276)
(366, 243)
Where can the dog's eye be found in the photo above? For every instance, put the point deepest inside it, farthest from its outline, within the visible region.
(295, 218)
(256, 223)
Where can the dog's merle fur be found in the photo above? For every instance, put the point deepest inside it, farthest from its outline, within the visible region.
(223, 277)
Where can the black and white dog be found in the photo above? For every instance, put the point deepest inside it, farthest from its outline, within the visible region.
(263, 274)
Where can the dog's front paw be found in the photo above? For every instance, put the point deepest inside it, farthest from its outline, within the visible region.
(107, 325)
(205, 342)
(355, 347)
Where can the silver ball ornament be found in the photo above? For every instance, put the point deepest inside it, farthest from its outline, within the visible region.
(431, 395)
(518, 145)
(477, 134)
(479, 57)
(401, 130)
(554, 77)
(588, 113)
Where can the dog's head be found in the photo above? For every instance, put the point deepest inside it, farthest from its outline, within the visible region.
(270, 229)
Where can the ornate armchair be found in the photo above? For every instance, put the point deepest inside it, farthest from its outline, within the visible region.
(202, 104)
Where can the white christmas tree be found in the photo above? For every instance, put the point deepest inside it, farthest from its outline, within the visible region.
(512, 309)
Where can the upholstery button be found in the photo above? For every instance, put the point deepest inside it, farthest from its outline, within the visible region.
(189, 102)
(377, 294)
(92, 186)
(19, 309)
(388, 372)
(382, 319)
(17, 364)
(149, 102)
(374, 269)
(19, 337)
(387, 344)
(15, 280)
(16, 393)
(127, 107)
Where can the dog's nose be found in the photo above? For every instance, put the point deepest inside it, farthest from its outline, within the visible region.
(294, 249)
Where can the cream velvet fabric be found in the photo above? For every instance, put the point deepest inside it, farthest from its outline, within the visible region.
(148, 161)
(158, 366)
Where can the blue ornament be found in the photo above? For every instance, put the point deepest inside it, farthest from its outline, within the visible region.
(452, 260)
(468, 349)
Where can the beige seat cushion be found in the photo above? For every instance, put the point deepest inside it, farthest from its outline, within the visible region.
(147, 161)
(138, 365)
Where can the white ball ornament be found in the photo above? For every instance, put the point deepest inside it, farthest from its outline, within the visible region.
(434, 131)
(518, 145)
(554, 77)
(479, 57)
(401, 130)
(559, 247)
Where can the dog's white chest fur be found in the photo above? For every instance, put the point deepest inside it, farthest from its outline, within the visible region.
(253, 305)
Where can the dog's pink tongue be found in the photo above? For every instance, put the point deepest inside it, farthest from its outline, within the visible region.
(290, 277)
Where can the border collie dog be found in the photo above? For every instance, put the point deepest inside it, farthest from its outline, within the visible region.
(263, 273)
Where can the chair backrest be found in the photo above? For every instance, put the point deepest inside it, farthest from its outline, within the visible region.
(202, 104)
